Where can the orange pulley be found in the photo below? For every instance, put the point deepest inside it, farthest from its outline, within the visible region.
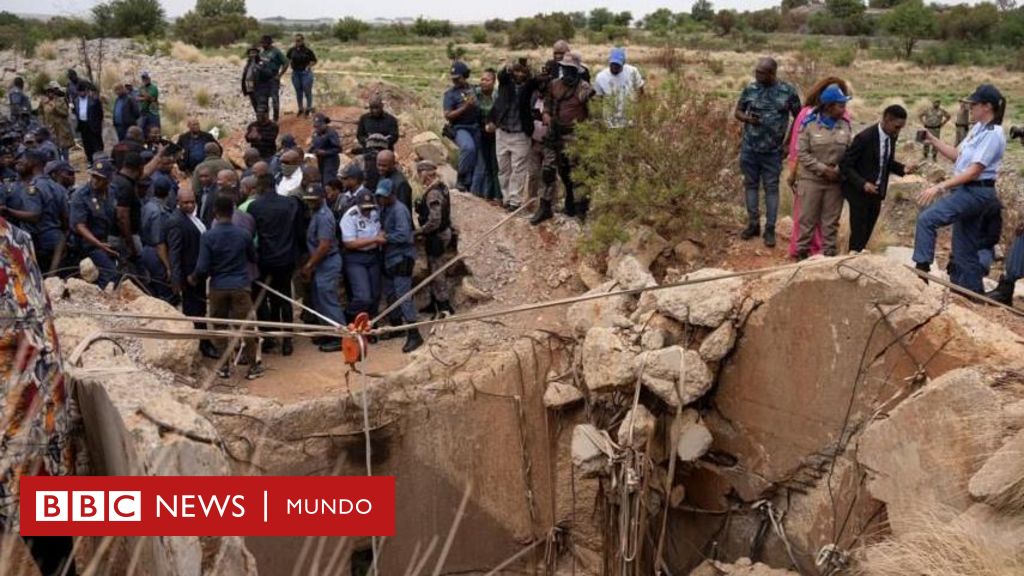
(354, 344)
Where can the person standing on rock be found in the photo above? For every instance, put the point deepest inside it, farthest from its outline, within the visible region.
(866, 167)
(377, 121)
(933, 120)
(302, 59)
(485, 175)
(971, 191)
(39, 423)
(89, 115)
(565, 104)
(253, 81)
(92, 218)
(434, 213)
(225, 251)
(20, 104)
(193, 146)
(399, 261)
(362, 239)
(126, 111)
(278, 230)
(765, 108)
(273, 66)
(322, 270)
(824, 137)
(326, 146)
(53, 112)
(149, 104)
(463, 116)
(262, 135)
(387, 168)
(513, 118)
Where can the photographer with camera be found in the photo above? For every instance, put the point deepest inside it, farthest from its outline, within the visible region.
(972, 190)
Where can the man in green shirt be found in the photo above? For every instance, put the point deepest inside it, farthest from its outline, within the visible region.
(274, 64)
(149, 104)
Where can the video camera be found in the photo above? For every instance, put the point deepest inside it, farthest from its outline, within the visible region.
(1017, 132)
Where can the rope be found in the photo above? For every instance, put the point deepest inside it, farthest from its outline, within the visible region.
(203, 319)
(969, 294)
(462, 255)
(299, 304)
(511, 559)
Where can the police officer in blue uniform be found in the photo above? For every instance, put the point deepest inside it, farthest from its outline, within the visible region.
(971, 191)
(323, 268)
(162, 177)
(399, 260)
(93, 220)
(155, 257)
(49, 232)
(362, 238)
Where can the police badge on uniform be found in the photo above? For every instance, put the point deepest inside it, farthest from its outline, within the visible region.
(32, 190)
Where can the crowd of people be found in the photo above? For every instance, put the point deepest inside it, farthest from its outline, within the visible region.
(192, 228)
(830, 164)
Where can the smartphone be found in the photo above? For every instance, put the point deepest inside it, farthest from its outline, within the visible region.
(922, 135)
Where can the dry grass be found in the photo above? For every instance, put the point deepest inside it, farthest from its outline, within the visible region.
(113, 75)
(173, 112)
(186, 53)
(943, 547)
(202, 97)
(47, 50)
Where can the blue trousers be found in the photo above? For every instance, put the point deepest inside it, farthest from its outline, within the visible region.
(302, 81)
(485, 175)
(147, 121)
(159, 283)
(761, 168)
(1015, 260)
(394, 288)
(105, 264)
(962, 208)
(467, 138)
(324, 289)
(362, 269)
(122, 131)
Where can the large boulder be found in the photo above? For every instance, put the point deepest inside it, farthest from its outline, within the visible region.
(640, 423)
(946, 431)
(591, 450)
(607, 362)
(644, 244)
(693, 439)
(719, 343)
(672, 371)
(631, 274)
(1000, 482)
(704, 304)
(559, 395)
(178, 355)
(600, 312)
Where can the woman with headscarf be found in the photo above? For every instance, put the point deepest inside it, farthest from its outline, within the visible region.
(971, 191)
(824, 136)
(810, 103)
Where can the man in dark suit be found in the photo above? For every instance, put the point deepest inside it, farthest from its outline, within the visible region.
(184, 230)
(89, 114)
(866, 167)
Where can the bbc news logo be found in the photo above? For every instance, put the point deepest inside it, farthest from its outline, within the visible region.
(88, 506)
(208, 505)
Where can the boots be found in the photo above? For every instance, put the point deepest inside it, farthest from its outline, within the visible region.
(287, 347)
(430, 308)
(413, 340)
(752, 230)
(207, 349)
(570, 203)
(444, 308)
(769, 236)
(543, 213)
(1003, 292)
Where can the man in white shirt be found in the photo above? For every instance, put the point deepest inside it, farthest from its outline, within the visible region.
(617, 85)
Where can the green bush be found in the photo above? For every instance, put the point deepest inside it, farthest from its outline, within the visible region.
(213, 31)
(843, 57)
(349, 29)
(478, 35)
(38, 81)
(666, 170)
(540, 30)
(128, 18)
(432, 28)
(497, 25)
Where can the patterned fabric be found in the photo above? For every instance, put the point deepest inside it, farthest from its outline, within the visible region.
(35, 406)
(775, 105)
(934, 117)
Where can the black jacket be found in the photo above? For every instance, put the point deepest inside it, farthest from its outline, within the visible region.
(94, 113)
(186, 161)
(129, 111)
(182, 247)
(506, 103)
(860, 163)
(386, 125)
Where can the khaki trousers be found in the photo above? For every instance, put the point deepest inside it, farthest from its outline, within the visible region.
(513, 150)
(234, 305)
(820, 202)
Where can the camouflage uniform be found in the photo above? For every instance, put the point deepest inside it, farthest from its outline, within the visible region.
(963, 123)
(761, 154)
(433, 210)
(933, 119)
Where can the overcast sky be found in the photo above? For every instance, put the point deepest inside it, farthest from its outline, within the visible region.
(458, 11)
(455, 10)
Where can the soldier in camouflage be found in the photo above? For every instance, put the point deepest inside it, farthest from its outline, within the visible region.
(963, 122)
(934, 119)
(765, 108)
